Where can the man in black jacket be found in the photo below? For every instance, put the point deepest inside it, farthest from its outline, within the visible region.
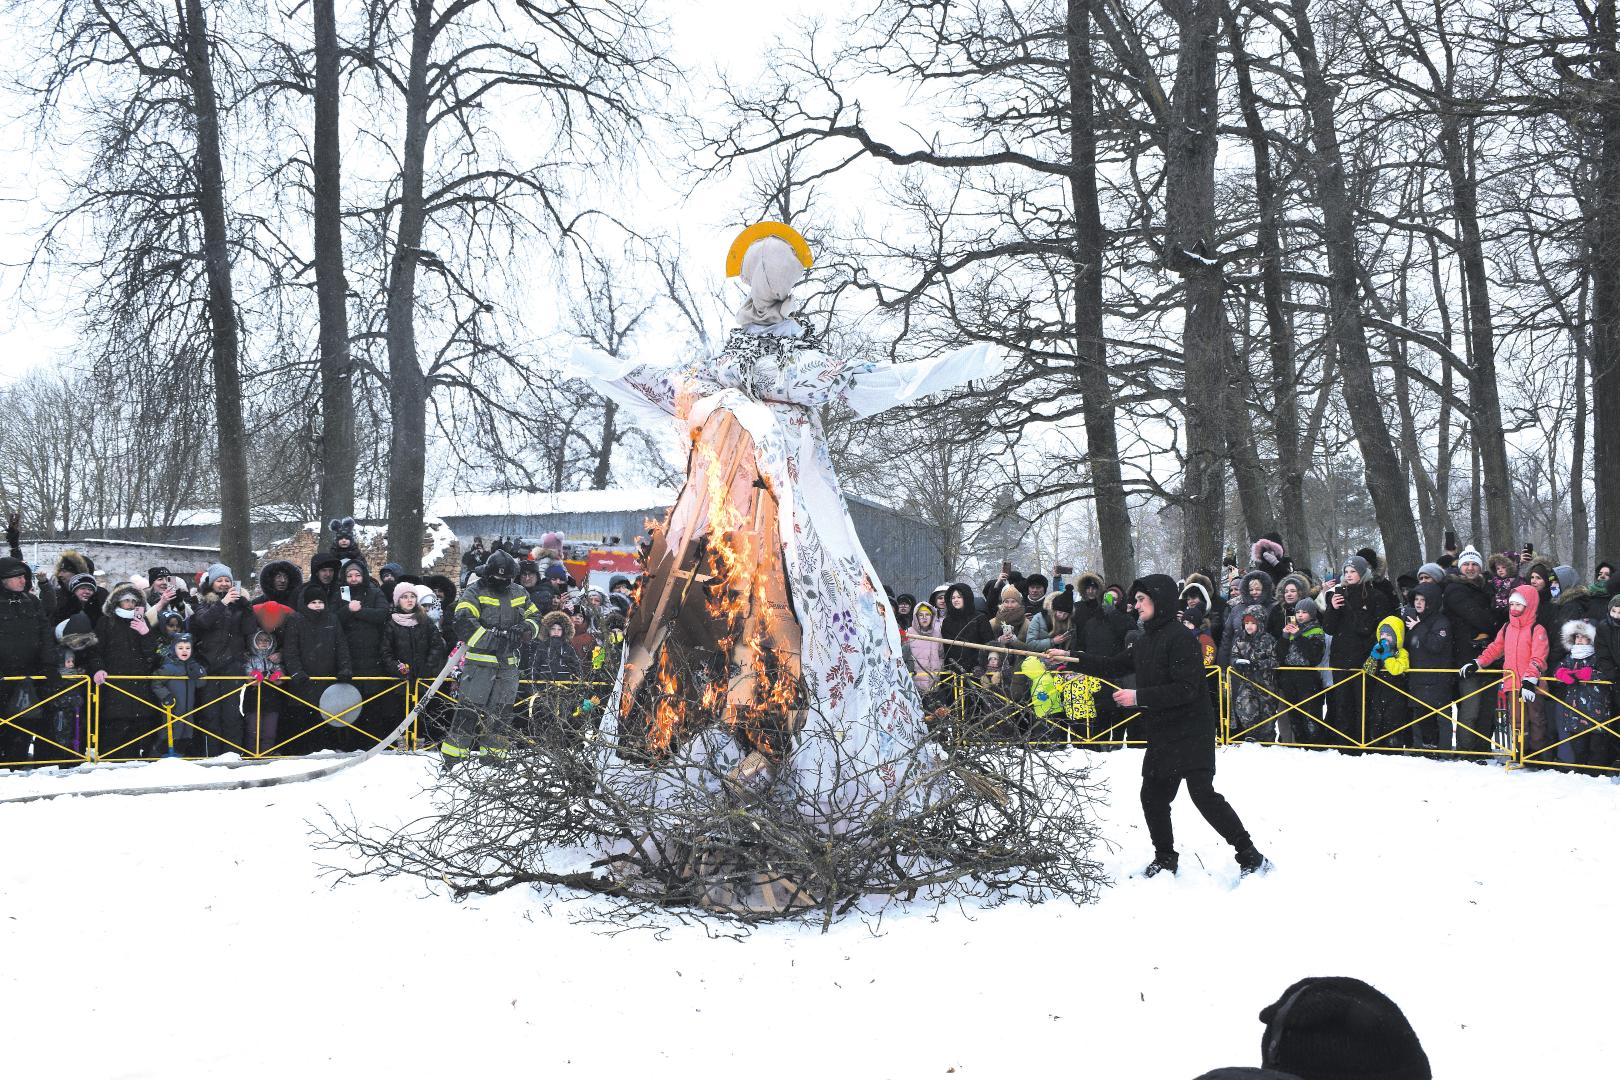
(27, 647)
(1467, 600)
(1177, 719)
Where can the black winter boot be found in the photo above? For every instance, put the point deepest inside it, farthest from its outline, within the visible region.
(1250, 861)
(1163, 863)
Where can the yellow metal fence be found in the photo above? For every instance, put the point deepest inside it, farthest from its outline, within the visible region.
(76, 720)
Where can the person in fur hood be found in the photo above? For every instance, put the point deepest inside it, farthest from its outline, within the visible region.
(280, 581)
(1579, 706)
(80, 593)
(127, 716)
(1268, 555)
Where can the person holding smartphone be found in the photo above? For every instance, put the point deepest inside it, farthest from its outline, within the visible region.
(221, 629)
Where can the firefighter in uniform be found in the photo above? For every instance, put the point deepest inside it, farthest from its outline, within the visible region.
(495, 617)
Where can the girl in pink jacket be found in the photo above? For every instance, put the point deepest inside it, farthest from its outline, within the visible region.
(1520, 650)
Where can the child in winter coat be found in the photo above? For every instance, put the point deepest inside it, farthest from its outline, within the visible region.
(1433, 678)
(1386, 667)
(182, 694)
(1253, 656)
(1520, 650)
(1303, 647)
(262, 711)
(77, 655)
(1579, 706)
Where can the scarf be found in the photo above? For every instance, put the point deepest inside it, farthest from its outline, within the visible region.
(770, 269)
(404, 619)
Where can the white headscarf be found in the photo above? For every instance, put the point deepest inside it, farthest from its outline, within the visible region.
(770, 269)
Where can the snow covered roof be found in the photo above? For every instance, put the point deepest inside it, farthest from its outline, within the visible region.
(543, 503)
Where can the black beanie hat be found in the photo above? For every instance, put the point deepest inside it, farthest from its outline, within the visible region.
(1064, 601)
(1036, 579)
(12, 567)
(315, 591)
(1338, 1028)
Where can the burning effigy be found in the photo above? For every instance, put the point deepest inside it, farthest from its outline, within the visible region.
(763, 752)
(762, 651)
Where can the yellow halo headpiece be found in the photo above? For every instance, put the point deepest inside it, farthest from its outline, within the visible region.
(739, 246)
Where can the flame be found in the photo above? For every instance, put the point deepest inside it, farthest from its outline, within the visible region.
(752, 684)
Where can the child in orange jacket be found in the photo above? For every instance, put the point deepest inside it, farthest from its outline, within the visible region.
(1520, 650)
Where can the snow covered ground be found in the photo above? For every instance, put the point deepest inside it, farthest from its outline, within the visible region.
(193, 936)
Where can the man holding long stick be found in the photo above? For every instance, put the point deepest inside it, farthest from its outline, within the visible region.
(1177, 720)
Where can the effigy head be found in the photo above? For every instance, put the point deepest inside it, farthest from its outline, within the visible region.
(771, 259)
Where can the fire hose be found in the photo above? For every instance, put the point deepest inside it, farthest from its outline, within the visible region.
(331, 768)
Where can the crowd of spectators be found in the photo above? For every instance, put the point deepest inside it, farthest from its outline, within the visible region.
(1442, 647)
(179, 647)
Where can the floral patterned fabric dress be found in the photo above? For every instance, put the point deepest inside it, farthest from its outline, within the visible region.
(865, 715)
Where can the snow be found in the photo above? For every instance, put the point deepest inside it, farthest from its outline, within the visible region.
(193, 935)
(541, 503)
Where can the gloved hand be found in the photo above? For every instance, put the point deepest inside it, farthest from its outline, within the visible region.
(1383, 650)
(1528, 689)
(404, 669)
(1467, 670)
(275, 676)
(258, 676)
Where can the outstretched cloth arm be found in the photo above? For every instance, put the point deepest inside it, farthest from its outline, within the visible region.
(646, 392)
(889, 385)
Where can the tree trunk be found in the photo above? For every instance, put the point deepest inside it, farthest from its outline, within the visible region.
(331, 286)
(407, 387)
(235, 535)
(1097, 398)
(1189, 250)
(1239, 423)
(1443, 446)
(1484, 400)
(604, 453)
(1291, 463)
(1605, 259)
(1579, 522)
(1391, 498)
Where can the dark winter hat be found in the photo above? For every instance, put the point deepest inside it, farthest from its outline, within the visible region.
(1360, 564)
(157, 573)
(1305, 603)
(556, 571)
(1434, 570)
(313, 591)
(1064, 601)
(392, 569)
(1338, 1028)
(10, 568)
(1036, 579)
(1371, 556)
(528, 568)
(321, 561)
(620, 601)
(74, 583)
(1244, 1072)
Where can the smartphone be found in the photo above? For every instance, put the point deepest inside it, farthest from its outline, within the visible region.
(344, 592)
(1006, 567)
(1529, 548)
(1062, 571)
(1451, 540)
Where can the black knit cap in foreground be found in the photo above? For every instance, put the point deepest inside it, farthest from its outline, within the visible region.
(1338, 1028)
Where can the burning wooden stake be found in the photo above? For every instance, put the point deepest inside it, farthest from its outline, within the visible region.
(715, 639)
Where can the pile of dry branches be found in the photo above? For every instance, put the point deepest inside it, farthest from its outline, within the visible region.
(717, 828)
